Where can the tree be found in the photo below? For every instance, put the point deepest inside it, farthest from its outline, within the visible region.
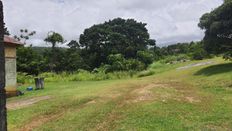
(54, 38)
(25, 35)
(117, 36)
(29, 61)
(74, 44)
(3, 120)
(6, 32)
(218, 28)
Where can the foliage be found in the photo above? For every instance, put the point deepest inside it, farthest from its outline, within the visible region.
(199, 54)
(183, 52)
(25, 35)
(29, 61)
(80, 75)
(54, 38)
(218, 28)
(6, 31)
(117, 36)
(118, 63)
(116, 45)
(145, 57)
(24, 78)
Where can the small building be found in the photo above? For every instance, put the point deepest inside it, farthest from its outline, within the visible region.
(10, 45)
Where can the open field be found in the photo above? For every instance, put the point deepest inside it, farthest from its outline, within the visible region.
(193, 98)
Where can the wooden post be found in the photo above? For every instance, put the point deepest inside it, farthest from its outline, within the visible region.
(3, 118)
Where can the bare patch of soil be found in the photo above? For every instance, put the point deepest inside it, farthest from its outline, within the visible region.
(25, 103)
(143, 94)
(91, 102)
(192, 99)
(195, 65)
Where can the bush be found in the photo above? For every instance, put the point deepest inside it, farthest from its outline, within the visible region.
(199, 54)
(145, 57)
(133, 64)
(23, 78)
(117, 62)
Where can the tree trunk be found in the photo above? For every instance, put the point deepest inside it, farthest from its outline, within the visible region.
(3, 121)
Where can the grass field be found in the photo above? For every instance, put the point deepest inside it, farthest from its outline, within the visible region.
(194, 98)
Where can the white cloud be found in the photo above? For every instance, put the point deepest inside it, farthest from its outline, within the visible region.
(168, 20)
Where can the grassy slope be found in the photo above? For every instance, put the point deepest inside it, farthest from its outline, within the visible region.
(191, 99)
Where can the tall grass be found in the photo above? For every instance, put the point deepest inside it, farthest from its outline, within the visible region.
(80, 75)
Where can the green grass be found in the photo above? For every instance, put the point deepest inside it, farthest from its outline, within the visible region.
(198, 98)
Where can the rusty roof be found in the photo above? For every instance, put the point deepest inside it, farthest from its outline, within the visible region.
(10, 40)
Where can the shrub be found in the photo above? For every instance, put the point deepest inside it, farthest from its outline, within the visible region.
(133, 64)
(24, 78)
(199, 54)
(145, 57)
(117, 62)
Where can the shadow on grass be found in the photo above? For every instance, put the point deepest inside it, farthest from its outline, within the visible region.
(215, 69)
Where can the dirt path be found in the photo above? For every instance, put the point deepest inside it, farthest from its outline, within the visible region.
(25, 103)
(195, 65)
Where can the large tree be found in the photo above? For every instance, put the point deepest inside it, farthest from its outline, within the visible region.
(118, 36)
(3, 121)
(54, 38)
(218, 28)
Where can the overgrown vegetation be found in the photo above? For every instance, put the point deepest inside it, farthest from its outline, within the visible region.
(81, 75)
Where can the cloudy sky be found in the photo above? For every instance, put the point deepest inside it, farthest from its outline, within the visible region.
(169, 21)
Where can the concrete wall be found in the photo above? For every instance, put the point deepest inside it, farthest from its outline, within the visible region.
(10, 65)
(10, 51)
(10, 72)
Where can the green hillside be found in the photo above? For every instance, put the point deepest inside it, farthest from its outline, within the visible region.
(196, 97)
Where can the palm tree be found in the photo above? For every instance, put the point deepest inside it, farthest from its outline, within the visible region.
(3, 121)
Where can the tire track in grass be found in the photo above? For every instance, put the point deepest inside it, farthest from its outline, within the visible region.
(144, 94)
(38, 121)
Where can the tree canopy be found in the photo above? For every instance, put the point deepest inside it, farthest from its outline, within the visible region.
(218, 28)
(117, 36)
(54, 38)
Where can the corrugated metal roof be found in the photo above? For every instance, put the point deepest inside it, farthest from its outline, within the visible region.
(10, 40)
